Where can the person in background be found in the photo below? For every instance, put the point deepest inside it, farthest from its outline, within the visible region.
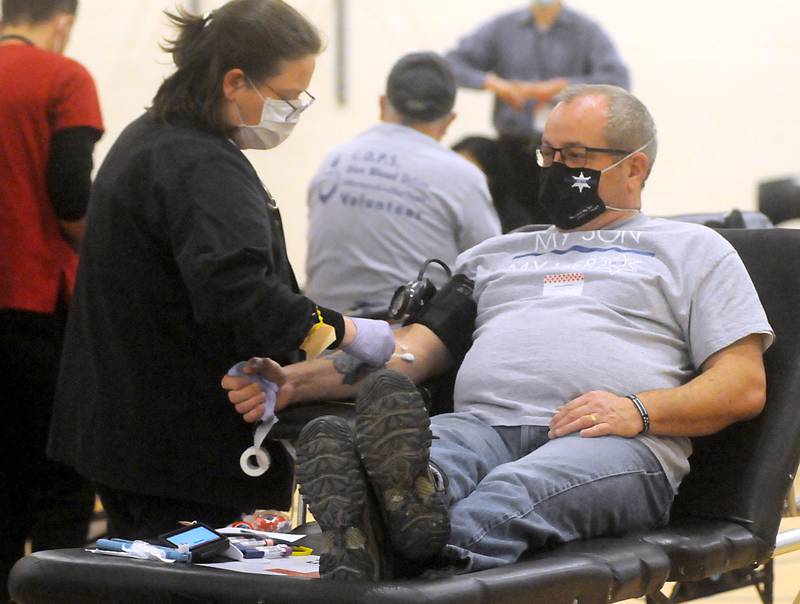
(185, 271)
(487, 154)
(49, 123)
(525, 58)
(394, 196)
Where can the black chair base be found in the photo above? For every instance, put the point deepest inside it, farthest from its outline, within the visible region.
(760, 577)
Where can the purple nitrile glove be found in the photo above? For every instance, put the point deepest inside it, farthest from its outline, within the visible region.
(374, 342)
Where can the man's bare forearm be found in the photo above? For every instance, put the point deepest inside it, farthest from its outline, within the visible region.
(731, 388)
(419, 354)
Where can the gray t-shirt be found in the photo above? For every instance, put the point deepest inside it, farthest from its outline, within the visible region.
(638, 306)
(383, 203)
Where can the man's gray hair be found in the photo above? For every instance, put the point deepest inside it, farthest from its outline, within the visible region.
(630, 124)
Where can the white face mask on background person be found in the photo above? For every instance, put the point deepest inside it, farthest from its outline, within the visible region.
(278, 119)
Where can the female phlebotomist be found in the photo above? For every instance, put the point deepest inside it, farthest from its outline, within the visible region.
(184, 272)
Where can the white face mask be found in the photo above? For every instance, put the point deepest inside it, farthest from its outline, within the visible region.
(278, 119)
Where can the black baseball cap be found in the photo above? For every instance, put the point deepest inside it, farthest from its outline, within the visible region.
(421, 86)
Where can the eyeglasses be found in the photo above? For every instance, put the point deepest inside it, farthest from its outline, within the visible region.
(297, 105)
(574, 156)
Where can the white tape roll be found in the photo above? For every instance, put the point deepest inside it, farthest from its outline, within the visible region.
(262, 461)
(255, 460)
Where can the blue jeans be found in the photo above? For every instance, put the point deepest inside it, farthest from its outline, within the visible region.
(511, 489)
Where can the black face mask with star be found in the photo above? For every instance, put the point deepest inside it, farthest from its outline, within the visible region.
(570, 195)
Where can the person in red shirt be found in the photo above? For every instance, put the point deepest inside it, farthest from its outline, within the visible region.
(49, 122)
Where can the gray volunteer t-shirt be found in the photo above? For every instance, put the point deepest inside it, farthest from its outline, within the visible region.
(383, 203)
(638, 306)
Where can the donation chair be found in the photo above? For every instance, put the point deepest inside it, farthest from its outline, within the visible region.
(734, 219)
(725, 517)
(728, 509)
(779, 199)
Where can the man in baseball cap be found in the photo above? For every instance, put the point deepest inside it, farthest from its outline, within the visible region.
(404, 195)
(422, 88)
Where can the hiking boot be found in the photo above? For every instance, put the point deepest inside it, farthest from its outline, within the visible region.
(393, 438)
(333, 484)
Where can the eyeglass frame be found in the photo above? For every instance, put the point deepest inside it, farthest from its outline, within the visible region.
(540, 155)
(295, 110)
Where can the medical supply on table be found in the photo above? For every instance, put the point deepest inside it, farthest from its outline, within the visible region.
(281, 550)
(265, 520)
(286, 538)
(143, 550)
(196, 542)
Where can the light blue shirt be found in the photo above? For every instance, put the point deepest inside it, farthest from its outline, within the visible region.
(514, 48)
(379, 206)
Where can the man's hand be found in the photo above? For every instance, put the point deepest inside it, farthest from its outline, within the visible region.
(518, 92)
(730, 388)
(248, 397)
(597, 413)
(543, 90)
(506, 90)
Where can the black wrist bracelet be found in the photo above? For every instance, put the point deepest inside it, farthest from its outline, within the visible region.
(642, 411)
(335, 320)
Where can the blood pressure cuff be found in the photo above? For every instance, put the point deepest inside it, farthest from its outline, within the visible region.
(451, 314)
